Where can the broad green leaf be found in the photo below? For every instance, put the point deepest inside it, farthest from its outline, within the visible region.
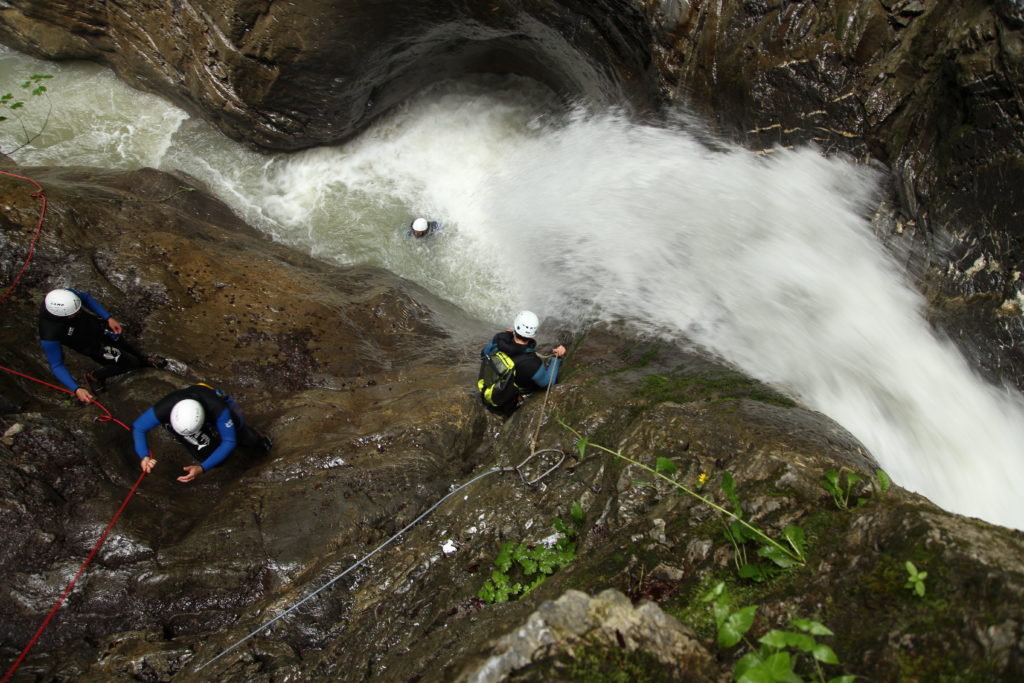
(823, 653)
(759, 673)
(745, 663)
(754, 572)
(582, 446)
(718, 589)
(774, 639)
(721, 611)
(801, 641)
(576, 511)
(813, 627)
(884, 482)
(728, 484)
(736, 626)
(665, 466)
(780, 558)
(780, 664)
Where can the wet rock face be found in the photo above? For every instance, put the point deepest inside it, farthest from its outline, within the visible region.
(365, 383)
(292, 75)
(930, 90)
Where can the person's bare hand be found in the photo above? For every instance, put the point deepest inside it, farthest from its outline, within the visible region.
(193, 472)
(83, 395)
(147, 464)
(558, 350)
(114, 325)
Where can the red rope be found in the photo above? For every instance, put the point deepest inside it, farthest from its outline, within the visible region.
(60, 601)
(107, 417)
(39, 229)
(81, 570)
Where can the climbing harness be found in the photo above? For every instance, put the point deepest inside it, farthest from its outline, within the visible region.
(496, 382)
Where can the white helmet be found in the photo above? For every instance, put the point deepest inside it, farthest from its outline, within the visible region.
(63, 302)
(419, 225)
(187, 416)
(526, 324)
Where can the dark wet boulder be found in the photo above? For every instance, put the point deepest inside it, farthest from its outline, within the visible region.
(292, 75)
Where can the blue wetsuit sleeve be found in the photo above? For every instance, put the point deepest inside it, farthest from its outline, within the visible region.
(89, 302)
(226, 429)
(55, 354)
(143, 424)
(236, 411)
(490, 348)
(547, 375)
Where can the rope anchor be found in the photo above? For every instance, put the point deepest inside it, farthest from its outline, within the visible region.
(518, 469)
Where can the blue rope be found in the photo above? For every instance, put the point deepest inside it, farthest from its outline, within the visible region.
(364, 559)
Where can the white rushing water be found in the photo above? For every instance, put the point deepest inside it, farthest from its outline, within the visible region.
(767, 260)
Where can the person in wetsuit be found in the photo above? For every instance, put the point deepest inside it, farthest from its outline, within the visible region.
(206, 421)
(421, 227)
(75, 319)
(531, 373)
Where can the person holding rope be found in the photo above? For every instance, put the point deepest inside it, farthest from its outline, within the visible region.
(510, 367)
(75, 319)
(206, 421)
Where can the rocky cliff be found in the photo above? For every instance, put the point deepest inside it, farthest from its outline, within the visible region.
(365, 383)
(364, 380)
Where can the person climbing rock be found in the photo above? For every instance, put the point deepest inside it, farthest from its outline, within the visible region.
(510, 367)
(421, 227)
(205, 420)
(75, 319)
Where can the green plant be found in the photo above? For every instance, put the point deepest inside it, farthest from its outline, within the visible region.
(739, 536)
(790, 554)
(519, 568)
(842, 490)
(884, 482)
(915, 579)
(34, 84)
(780, 653)
(841, 483)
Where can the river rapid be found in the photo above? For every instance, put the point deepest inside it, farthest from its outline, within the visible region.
(767, 260)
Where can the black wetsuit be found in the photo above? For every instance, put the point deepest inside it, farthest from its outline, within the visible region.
(87, 333)
(222, 428)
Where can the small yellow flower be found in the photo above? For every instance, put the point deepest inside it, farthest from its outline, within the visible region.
(702, 479)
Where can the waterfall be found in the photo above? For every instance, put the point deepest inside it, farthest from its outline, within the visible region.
(767, 260)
